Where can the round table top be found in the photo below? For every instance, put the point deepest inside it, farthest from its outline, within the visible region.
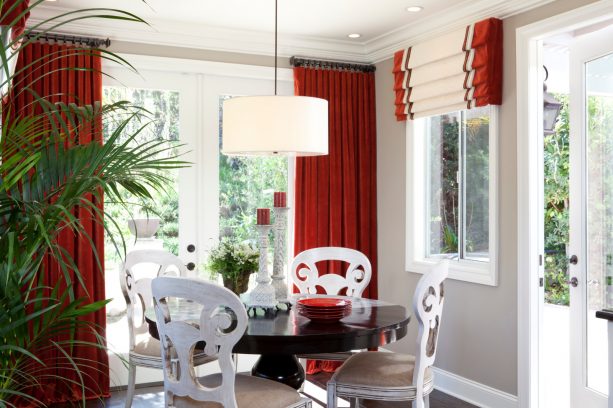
(372, 323)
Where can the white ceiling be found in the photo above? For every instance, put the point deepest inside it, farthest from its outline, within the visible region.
(332, 19)
(315, 27)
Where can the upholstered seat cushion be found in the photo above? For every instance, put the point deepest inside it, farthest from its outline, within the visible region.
(372, 369)
(147, 350)
(147, 345)
(251, 392)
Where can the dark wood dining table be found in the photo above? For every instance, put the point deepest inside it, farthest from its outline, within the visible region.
(280, 336)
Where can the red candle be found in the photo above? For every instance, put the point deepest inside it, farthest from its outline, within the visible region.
(280, 199)
(263, 216)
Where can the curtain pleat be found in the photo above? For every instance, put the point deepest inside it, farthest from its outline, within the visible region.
(335, 195)
(66, 74)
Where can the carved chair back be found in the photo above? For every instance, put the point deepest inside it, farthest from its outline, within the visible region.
(428, 307)
(139, 268)
(305, 275)
(223, 321)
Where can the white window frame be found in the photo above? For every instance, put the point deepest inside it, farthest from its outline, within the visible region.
(485, 273)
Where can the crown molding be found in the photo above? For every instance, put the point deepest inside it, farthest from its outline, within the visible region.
(189, 35)
(458, 16)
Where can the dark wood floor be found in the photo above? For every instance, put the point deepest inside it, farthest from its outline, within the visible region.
(154, 397)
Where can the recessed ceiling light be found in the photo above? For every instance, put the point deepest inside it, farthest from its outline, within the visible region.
(354, 35)
(414, 9)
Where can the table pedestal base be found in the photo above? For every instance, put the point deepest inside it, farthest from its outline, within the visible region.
(284, 368)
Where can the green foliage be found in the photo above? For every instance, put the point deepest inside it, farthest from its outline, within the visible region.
(556, 157)
(169, 224)
(44, 176)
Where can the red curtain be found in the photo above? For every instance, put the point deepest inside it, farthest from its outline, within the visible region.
(61, 73)
(15, 14)
(336, 195)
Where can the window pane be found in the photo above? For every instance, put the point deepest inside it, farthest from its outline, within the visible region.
(245, 184)
(476, 196)
(443, 193)
(163, 124)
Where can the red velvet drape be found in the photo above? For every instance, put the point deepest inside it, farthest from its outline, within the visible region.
(15, 14)
(336, 194)
(54, 76)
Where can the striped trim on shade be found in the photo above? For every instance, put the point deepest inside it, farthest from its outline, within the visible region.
(456, 71)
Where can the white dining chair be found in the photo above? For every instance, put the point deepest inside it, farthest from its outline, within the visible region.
(394, 376)
(138, 270)
(222, 323)
(306, 277)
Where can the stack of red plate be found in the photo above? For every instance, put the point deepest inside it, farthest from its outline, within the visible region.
(325, 310)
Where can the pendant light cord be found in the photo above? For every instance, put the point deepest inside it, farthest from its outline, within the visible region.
(276, 11)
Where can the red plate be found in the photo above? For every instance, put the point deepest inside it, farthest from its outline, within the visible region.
(324, 302)
(348, 309)
(339, 312)
(324, 308)
(324, 315)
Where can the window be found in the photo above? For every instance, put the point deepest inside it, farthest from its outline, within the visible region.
(451, 194)
(245, 184)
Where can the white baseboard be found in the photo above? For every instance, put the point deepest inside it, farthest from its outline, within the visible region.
(472, 391)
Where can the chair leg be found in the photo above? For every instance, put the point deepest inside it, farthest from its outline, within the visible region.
(427, 401)
(331, 395)
(131, 385)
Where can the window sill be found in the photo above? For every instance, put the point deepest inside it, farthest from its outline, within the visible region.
(468, 271)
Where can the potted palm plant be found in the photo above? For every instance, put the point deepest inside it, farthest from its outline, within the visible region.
(49, 181)
(234, 262)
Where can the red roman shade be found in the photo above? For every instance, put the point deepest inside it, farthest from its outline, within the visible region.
(456, 71)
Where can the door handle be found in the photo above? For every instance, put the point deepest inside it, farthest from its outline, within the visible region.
(573, 260)
(574, 282)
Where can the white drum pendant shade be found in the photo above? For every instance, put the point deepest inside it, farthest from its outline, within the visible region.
(271, 125)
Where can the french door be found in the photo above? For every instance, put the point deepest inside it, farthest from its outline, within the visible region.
(185, 102)
(591, 215)
(172, 117)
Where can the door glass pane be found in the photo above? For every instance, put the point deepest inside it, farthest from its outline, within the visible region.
(245, 184)
(443, 191)
(162, 120)
(477, 188)
(599, 133)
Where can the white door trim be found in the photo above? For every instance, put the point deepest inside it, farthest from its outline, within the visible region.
(529, 127)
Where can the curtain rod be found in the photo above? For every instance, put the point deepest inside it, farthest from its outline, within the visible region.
(74, 39)
(330, 64)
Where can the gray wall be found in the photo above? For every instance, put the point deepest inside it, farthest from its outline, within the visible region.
(478, 338)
